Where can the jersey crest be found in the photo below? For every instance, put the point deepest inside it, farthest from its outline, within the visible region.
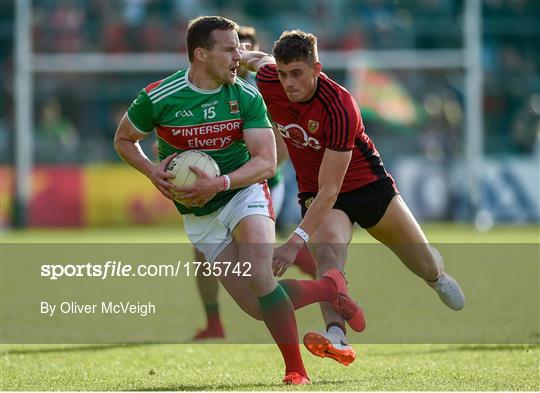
(312, 126)
(233, 107)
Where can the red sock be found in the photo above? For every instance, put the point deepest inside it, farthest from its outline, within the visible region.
(305, 262)
(212, 316)
(305, 292)
(278, 315)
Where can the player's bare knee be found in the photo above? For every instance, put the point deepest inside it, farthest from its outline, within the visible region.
(261, 281)
(328, 256)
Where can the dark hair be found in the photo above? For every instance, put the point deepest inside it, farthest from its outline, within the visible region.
(199, 32)
(295, 45)
(247, 33)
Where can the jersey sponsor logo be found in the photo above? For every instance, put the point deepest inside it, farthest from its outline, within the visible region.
(298, 136)
(256, 206)
(207, 104)
(209, 136)
(184, 113)
(233, 107)
(308, 202)
(312, 125)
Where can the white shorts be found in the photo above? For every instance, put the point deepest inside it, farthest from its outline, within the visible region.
(278, 197)
(210, 234)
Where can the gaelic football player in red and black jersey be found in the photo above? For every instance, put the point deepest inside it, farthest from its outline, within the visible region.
(341, 179)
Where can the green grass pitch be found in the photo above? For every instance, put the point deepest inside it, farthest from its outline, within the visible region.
(223, 366)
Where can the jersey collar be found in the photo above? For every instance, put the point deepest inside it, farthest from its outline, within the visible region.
(198, 89)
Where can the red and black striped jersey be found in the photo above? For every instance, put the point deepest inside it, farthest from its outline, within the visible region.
(329, 120)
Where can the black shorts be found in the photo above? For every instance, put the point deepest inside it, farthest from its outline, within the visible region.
(365, 205)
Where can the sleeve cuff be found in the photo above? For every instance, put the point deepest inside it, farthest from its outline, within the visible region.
(334, 148)
(137, 128)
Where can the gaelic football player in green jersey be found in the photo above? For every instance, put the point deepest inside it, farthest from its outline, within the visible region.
(208, 285)
(227, 218)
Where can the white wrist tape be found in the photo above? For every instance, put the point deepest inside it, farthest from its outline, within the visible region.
(303, 234)
(227, 182)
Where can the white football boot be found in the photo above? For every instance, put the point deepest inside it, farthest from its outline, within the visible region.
(447, 287)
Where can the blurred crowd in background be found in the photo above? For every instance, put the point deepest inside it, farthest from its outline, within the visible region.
(76, 113)
(90, 110)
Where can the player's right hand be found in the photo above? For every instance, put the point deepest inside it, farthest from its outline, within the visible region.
(284, 256)
(159, 177)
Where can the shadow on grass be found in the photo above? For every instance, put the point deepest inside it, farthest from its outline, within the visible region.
(72, 348)
(104, 347)
(462, 348)
(100, 347)
(53, 348)
(317, 386)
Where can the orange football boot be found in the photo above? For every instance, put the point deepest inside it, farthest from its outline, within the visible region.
(327, 345)
(294, 378)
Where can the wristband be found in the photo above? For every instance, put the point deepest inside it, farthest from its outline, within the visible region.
(226, 183)
(303, 234)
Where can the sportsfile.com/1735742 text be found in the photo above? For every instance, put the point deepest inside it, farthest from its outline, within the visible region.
(110, 269)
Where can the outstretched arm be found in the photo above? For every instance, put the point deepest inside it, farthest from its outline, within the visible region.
(332, 172)
(254, 60)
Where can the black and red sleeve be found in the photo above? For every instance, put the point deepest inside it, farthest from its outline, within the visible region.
(343, 117)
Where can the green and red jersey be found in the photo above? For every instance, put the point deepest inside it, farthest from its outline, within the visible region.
(186, 117)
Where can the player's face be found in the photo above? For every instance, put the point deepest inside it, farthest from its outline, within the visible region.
(299, 79)
(224, 58)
